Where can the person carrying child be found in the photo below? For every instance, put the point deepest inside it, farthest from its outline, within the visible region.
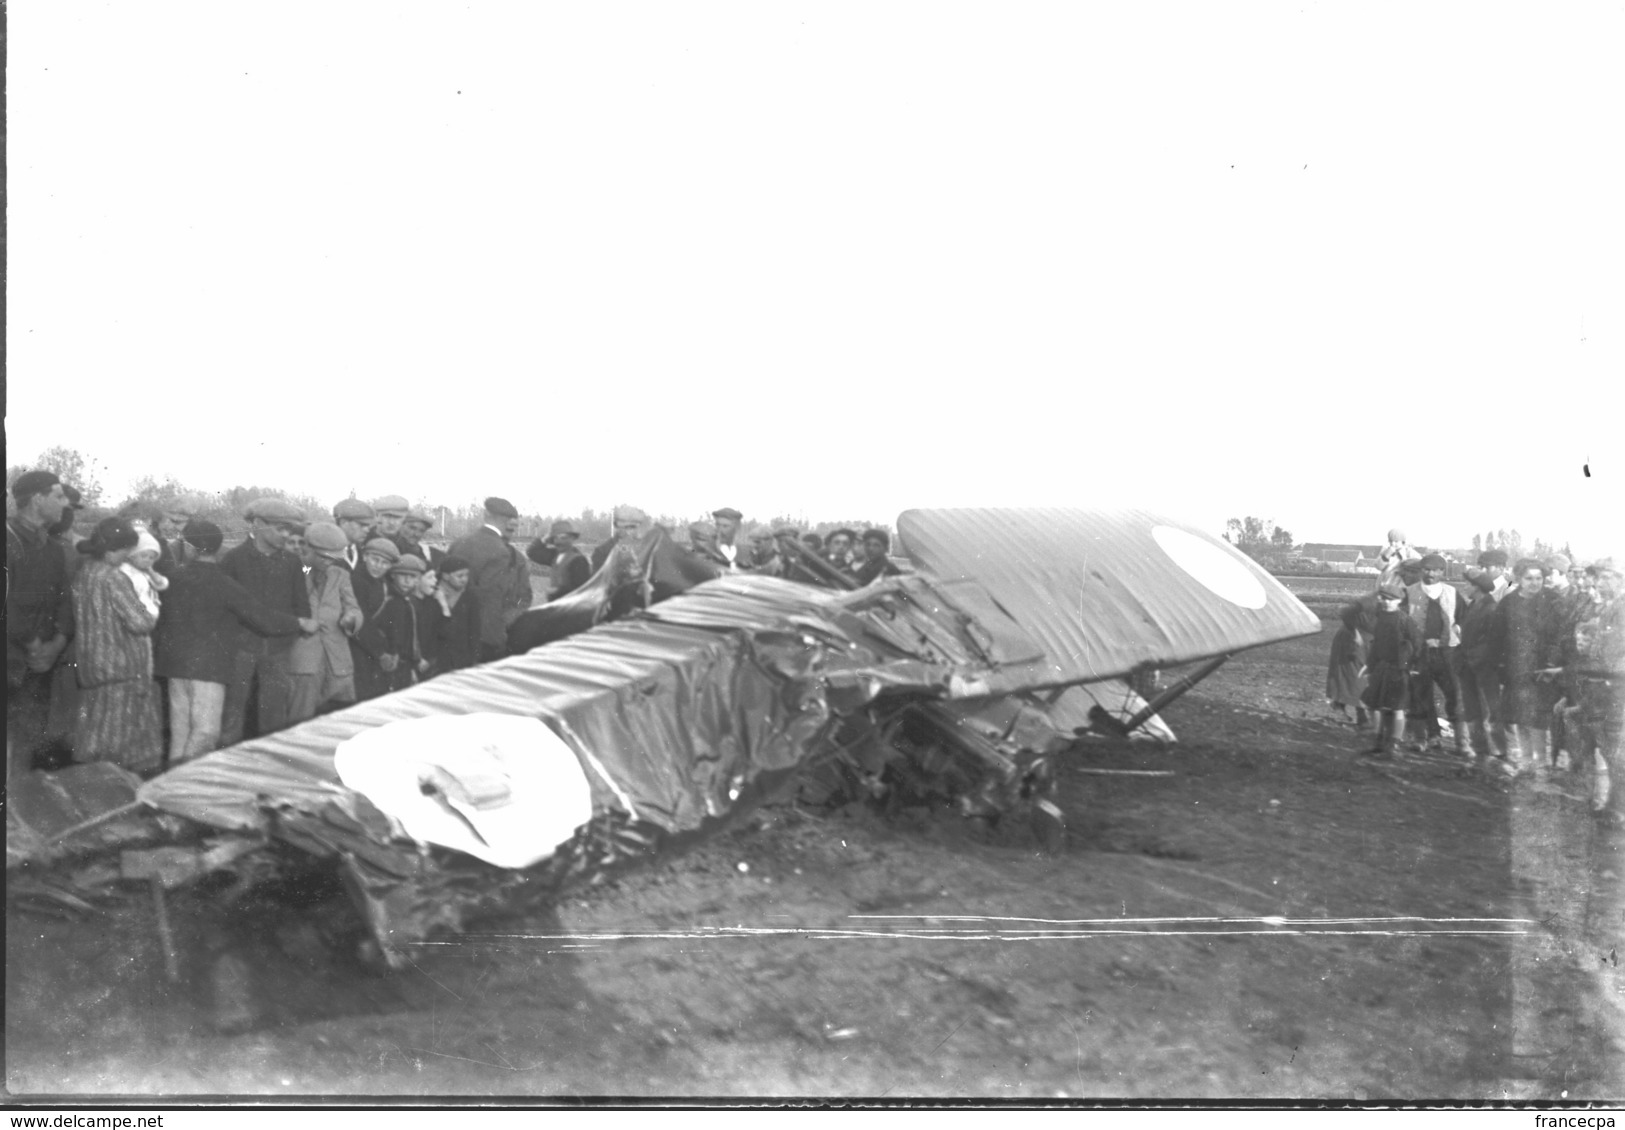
(1394, 645)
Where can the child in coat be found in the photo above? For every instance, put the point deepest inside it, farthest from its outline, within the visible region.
(1393, 647)
(1345, 675)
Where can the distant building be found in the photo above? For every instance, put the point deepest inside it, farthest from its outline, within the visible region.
(1342, 558)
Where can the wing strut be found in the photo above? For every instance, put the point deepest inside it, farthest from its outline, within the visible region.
(1169, 694)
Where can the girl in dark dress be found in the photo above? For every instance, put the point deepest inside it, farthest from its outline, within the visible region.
(1393, 645)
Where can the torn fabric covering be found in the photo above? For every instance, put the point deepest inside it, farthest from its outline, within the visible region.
(667, 718)
(1101, 593)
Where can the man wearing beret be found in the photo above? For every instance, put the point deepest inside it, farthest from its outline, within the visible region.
(499, 575)
(276, 578)
(736, 557)
(355, 518)
(39, 617)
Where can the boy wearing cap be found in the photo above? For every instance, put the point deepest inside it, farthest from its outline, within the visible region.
(204, 609)
(321, 666)
(389, 639)
(276, 579)
(406, 575)
(1394, 644)
(369, 645)
(498, 574)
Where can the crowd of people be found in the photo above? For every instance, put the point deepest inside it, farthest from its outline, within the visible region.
(1527, 659)
(147, 642)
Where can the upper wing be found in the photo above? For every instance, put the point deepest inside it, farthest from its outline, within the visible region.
(1097, 593)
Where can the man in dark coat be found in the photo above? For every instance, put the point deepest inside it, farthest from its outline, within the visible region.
(276, 579)
(876, 557)
(39, 617)
(1478, 666)
(193, 644)
(499, 575)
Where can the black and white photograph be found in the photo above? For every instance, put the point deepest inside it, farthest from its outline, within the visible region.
(725, 554)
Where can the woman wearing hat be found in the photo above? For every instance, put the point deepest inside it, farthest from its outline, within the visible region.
(453, 618)
(118, 703)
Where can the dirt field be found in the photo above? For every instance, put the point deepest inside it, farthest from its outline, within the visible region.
(1276, 918)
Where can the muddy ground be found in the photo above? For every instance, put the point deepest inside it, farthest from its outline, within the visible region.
(1276, 918)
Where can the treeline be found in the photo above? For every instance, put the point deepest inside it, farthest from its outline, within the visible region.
(149, 496)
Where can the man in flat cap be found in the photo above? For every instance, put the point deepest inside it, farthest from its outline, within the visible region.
(499, 575)
(175, 550)
(276, 578)
(567, 567)
(355, 518)
(1496, 565)
(39, 617)
(414, 528)
(322, 665)
(629, 525)
(764, 552)
(390, 512)
(738, 557)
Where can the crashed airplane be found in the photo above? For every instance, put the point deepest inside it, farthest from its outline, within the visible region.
(628, 727)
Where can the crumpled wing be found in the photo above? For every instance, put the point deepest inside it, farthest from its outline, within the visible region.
(1100, 593)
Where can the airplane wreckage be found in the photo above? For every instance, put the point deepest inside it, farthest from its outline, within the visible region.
(662, 703)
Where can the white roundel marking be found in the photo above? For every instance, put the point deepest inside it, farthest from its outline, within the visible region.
(1213, 568)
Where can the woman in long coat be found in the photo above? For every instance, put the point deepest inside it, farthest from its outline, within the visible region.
(1528, 651)
(118, 718)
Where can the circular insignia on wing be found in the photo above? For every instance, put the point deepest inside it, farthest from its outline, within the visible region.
(1212, 567)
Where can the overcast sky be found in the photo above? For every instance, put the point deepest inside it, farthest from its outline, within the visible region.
(1345, 266)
